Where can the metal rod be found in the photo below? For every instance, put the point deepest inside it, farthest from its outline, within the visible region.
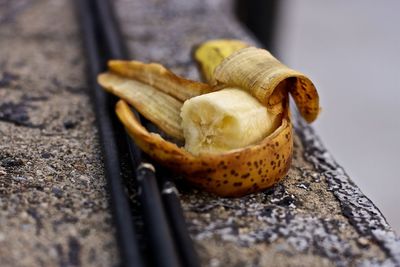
(170, 197)
(150, 197)
(110, 30)
(117, 50)
(126, 235)
(158, 232)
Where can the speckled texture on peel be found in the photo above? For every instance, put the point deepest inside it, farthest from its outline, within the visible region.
(315, 217)
(53, 206)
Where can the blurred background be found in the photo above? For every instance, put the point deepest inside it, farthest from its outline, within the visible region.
(350, 49)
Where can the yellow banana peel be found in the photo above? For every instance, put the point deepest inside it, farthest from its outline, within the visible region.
(159, 95)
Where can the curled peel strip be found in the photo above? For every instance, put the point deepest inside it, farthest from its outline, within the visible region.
(158, 107)
(262, 75)
(158, 76)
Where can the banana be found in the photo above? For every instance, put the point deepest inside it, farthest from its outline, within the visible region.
(237, 129)
(224, 120)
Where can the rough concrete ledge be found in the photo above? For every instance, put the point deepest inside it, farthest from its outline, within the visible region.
(53, 205)
(316, 217)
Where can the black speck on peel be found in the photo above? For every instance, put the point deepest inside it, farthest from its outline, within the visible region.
(244, 176)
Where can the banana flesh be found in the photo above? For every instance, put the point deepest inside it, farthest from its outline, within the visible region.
(224, 120)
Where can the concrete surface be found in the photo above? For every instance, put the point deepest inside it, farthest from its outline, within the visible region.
(53, 203)
(351, 51)
(316, 217)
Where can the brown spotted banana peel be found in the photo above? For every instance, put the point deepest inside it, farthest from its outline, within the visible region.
(234, 173)
(231, 173)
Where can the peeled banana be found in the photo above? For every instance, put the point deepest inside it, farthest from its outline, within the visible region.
(224, 120)
(236, 128)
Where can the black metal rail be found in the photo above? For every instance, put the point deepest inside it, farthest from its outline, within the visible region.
(126, 235)
(169, 241)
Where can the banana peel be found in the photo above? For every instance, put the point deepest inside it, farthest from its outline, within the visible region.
(224, 63)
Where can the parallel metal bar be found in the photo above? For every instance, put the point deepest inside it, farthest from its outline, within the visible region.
(175, 215)
(110, 30)
(117, 50)
(159, 233)
(126, 235)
